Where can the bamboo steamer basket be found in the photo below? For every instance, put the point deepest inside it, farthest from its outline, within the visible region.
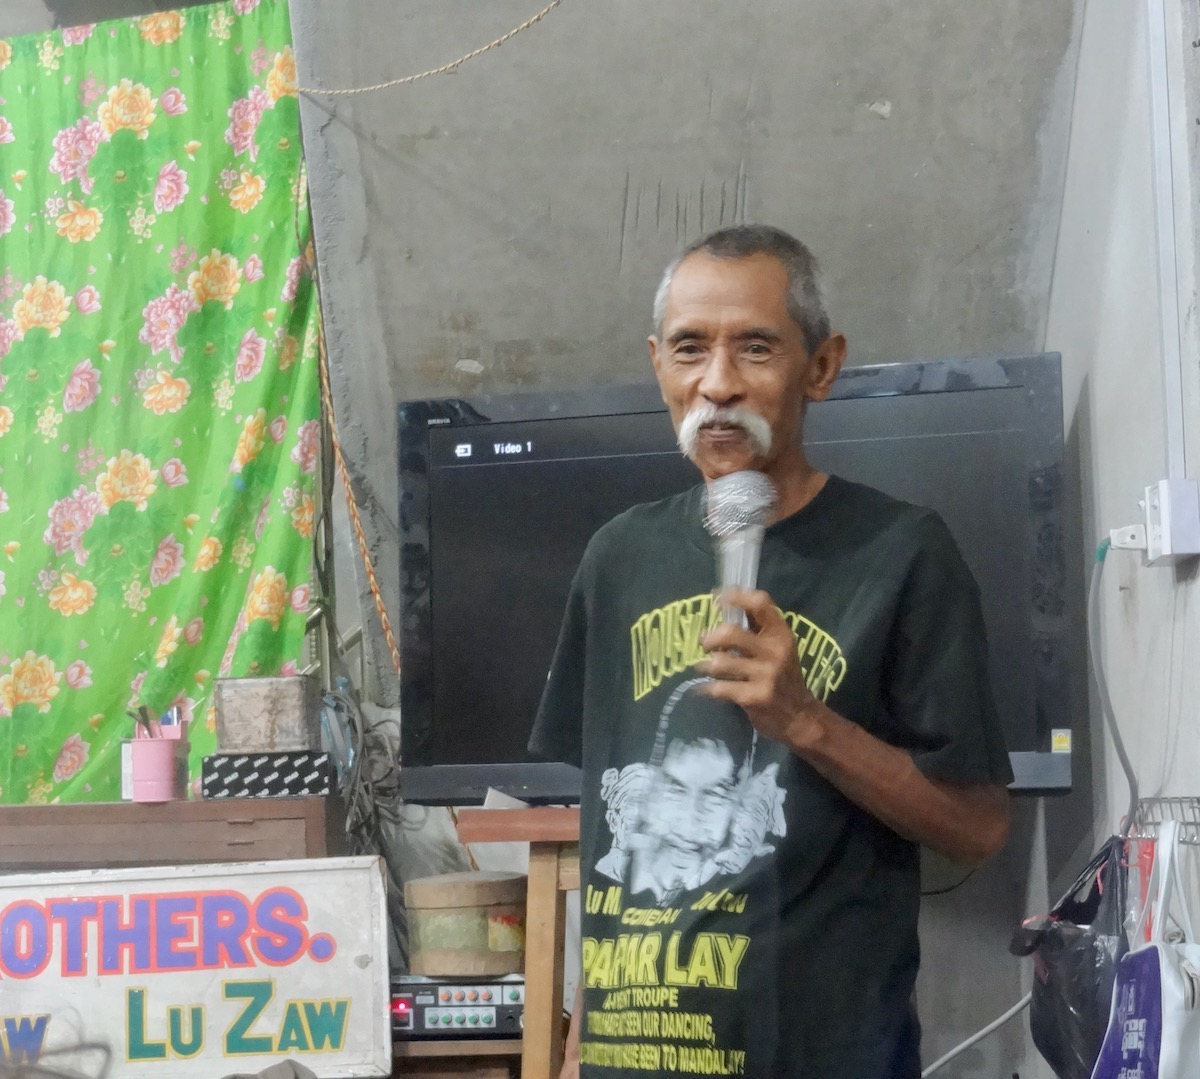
(466, 924)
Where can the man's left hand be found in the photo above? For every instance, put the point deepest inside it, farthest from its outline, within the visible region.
(758, 669)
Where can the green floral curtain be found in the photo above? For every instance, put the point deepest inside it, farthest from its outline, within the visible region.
(158, 391)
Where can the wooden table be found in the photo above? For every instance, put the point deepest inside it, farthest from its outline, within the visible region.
(479, 1058)
(553, 838)
(113, 834)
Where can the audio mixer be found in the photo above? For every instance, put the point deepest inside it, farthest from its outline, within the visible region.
(457, 1007)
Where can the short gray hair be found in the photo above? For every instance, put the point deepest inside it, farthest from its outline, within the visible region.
(804, 302)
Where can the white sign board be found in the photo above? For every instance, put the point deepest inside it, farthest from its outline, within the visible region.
(195, 972)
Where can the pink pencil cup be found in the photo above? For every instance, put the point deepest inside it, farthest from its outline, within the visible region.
(159, 765)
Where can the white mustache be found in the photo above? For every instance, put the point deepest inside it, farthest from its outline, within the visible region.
(757, 430)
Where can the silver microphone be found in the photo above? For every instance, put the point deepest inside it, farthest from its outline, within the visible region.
(738, 508)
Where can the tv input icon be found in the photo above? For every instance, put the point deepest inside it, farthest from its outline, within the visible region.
(463, 449)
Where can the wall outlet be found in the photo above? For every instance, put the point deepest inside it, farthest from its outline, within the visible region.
(1172, 512)
(1129, 538)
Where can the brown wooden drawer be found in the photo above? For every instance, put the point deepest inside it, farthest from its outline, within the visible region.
(176, 833)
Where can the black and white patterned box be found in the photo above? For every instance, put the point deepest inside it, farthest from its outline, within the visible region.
(266, 775)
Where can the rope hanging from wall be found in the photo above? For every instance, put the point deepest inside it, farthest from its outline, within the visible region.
(437, 70)
(326, 390)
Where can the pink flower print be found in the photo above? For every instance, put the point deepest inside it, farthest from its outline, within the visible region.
(258, 59)
(250, 356)
(7, 217)
(289, 669)
(278, 428)
(295, 271)
(181, 257)
(239, 628)
(79, 675)
(9, 333)
(82, 387)
(70, 518)
(244, 7)
(6, 131)
(87, 300)
(164, 317)
(89, 460)
(253, 268)
(71, 758)
(244, 117)
(167, 563)
(90, 90)
(193, 631)
(174, 473)
(135, 687)
(300, 597)
(260, 522)
(77, 35)
(171, 187)
(9, 285)
(173, 102)
(309, 442)
(183, 302)
(74, 148)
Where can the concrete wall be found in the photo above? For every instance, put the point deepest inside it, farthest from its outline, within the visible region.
(1104, 318)
(503, 227)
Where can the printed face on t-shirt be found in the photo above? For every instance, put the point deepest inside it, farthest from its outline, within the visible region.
(688, 810)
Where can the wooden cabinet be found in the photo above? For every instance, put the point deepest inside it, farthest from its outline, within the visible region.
(114, 834)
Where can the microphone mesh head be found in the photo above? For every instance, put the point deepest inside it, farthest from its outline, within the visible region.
(738, 501)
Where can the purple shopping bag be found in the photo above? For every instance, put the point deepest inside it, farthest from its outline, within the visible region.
(1154, 1024)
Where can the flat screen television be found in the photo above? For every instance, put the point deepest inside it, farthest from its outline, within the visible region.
(499, 496)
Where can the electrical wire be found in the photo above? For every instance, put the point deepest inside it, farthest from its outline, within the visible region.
(949, 888)
(47, 1066)
(995, 1025)
(371, 792)
(1095, 651)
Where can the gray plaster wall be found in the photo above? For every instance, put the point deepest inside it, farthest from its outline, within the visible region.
(503, 227)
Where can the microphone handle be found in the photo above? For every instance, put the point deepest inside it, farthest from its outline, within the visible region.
(738, 555)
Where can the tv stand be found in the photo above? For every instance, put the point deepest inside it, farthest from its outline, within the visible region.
(535, 783)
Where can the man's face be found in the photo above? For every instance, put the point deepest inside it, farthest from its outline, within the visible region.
(729, 342)
(692, 801)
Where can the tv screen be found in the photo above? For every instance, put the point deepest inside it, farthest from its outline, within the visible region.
(499, 496)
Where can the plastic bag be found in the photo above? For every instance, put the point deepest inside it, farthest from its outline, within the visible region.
(1075, 952)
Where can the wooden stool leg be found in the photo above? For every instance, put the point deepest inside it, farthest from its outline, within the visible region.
(545, 918)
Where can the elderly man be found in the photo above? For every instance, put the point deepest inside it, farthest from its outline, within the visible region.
(861, 680)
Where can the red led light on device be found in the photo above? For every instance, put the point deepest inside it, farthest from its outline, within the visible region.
(400, 1006)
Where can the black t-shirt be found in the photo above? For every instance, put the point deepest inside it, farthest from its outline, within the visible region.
(740, 916)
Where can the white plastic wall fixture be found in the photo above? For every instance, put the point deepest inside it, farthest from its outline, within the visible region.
(1172, 510)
